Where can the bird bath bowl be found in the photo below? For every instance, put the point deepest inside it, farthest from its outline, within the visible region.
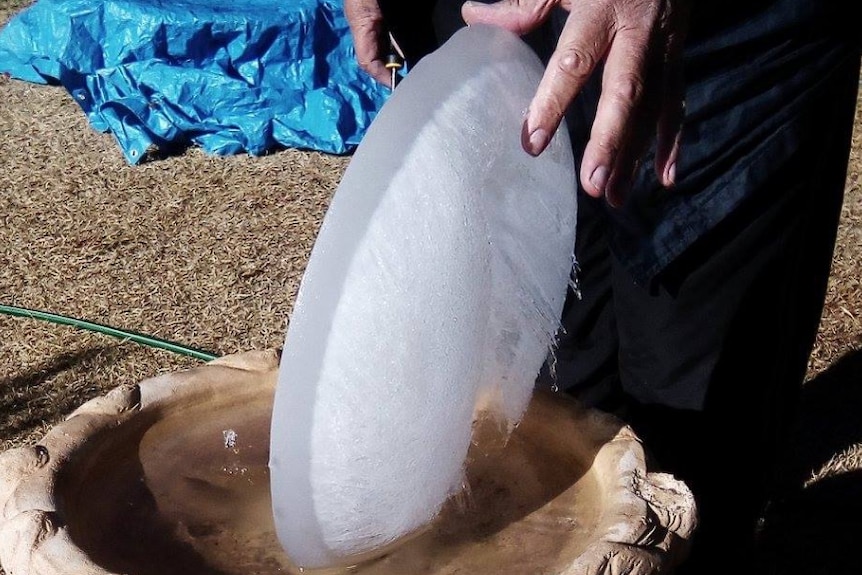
(170, 477)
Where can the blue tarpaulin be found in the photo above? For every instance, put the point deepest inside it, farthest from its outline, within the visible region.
(228, 76)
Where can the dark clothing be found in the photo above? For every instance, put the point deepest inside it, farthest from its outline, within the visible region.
(740, 162)
(701, 304)
(724, 332)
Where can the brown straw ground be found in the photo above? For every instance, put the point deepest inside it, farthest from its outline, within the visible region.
(209, 251)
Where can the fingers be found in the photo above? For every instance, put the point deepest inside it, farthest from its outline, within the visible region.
(672, 112)
(618, 134)
(582, 45)
(642, 90)
(519, 17)
(640, 44)
(669, 133)
(367, 29)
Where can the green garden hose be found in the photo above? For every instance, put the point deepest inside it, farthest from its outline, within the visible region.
(123, 334)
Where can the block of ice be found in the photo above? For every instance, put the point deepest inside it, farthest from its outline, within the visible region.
(436, 282)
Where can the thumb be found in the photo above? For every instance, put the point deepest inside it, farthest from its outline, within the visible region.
(516, 16)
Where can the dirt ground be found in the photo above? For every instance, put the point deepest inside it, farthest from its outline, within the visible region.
(209, 251)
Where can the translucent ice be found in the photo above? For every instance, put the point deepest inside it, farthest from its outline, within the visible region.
(435, 284)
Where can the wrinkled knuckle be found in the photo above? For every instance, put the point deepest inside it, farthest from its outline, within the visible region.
(576, 64)
(628, 90)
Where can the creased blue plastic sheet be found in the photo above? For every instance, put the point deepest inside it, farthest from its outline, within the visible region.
(229, 76)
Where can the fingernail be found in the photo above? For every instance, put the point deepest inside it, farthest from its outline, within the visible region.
(671, 173)
(599, 178)
(535, 141)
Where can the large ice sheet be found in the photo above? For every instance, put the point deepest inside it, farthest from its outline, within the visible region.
(435, 283)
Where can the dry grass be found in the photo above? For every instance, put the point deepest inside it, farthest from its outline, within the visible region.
(840, 336)
(209, 252)
(841, 324)
(195, 249)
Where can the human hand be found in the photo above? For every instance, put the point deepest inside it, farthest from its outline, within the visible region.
(367, 28)
(640, 43)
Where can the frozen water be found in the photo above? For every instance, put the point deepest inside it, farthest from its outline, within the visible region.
(229, 438)
(435, 286)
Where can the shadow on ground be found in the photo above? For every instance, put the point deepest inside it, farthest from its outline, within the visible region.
(818, 529)
(37, 395)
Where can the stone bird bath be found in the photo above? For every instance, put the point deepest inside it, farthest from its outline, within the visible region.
(170, 477)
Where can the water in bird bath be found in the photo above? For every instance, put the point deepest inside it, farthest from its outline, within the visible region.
(192, 496)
